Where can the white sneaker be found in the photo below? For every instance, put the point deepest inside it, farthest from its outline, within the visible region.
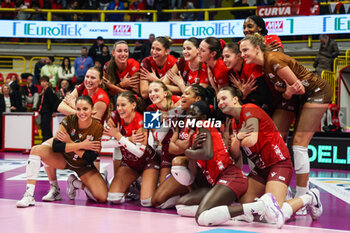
(316, 208)
(273, 212)
(26, 201)
(244, 218)
(71, 190)
(53, 195)
(301, 212)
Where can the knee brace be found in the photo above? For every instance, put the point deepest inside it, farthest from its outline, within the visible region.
(117, 154)
(182, 175)
(116, 198)
(33, 167)
(301, 160)
(147, 202)
(187, 210)
(214, 216)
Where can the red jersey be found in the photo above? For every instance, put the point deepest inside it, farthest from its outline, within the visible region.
(247, 71)
(189, 76)
(149, 63)
(220, 72)
(100, 95)
(270, 147)
(222, 159)
(126, 130)
(270, 38)
(132, 67)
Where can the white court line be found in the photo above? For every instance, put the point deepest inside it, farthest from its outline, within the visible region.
(174, 215)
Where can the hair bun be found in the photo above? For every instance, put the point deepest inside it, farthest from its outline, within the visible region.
(222, 43)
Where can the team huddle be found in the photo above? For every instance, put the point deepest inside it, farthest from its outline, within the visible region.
(251, 88)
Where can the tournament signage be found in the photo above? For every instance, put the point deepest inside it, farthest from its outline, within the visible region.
(286, 26)
(278, 11)
(330, 153)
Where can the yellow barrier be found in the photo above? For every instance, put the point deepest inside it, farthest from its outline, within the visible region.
(12, 64)
(58, 62)
(329, 76)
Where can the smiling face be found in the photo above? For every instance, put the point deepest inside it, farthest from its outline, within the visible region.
(250, 27)
(189, 51)
(188, 97)
(248, 52)
(156, 93)
(92, 79)
(121, 53)
(226, 101)
(84, 110)
(204, 52)
(230, 58)
(158, 52)
(125, 108)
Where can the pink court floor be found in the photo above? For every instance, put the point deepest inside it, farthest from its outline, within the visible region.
(81, 215)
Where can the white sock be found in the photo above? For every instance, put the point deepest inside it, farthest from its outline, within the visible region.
(147, 202)
(54, 183)
(301, 190)
(77, 184)
(287, 211)
(253, 207)
(307, 199)
(214, 216)
(169, 203)
(30, 188)
(116, 198)
(187, 210)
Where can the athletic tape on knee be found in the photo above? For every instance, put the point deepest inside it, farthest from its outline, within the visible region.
(182, 175)
(117, 154)
(33, 167)
(187, 210)
(116, 198)
(169, 203)
(214, 216)
(147, 202)
(301, 160)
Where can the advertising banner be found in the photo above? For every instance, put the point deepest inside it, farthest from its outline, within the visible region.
(278, 11)
(281, 26)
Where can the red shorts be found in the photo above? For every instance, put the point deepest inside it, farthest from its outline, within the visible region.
(281, 171)
(234, 178)
(150, 161)
(166, 157)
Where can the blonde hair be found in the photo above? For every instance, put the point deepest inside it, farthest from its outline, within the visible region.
(166, 89)
(256, 39)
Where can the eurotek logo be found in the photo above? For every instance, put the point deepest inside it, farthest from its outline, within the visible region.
(152, 120)
(274, 26)
(121, 30)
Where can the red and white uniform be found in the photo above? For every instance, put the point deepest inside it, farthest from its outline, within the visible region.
(270, 147)
(100, 95)
(149, 63)
(149, 159)
(189, 76)
(132, 67)
(252, 71)
(219, 71)
(166, 157)
(222, 159)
